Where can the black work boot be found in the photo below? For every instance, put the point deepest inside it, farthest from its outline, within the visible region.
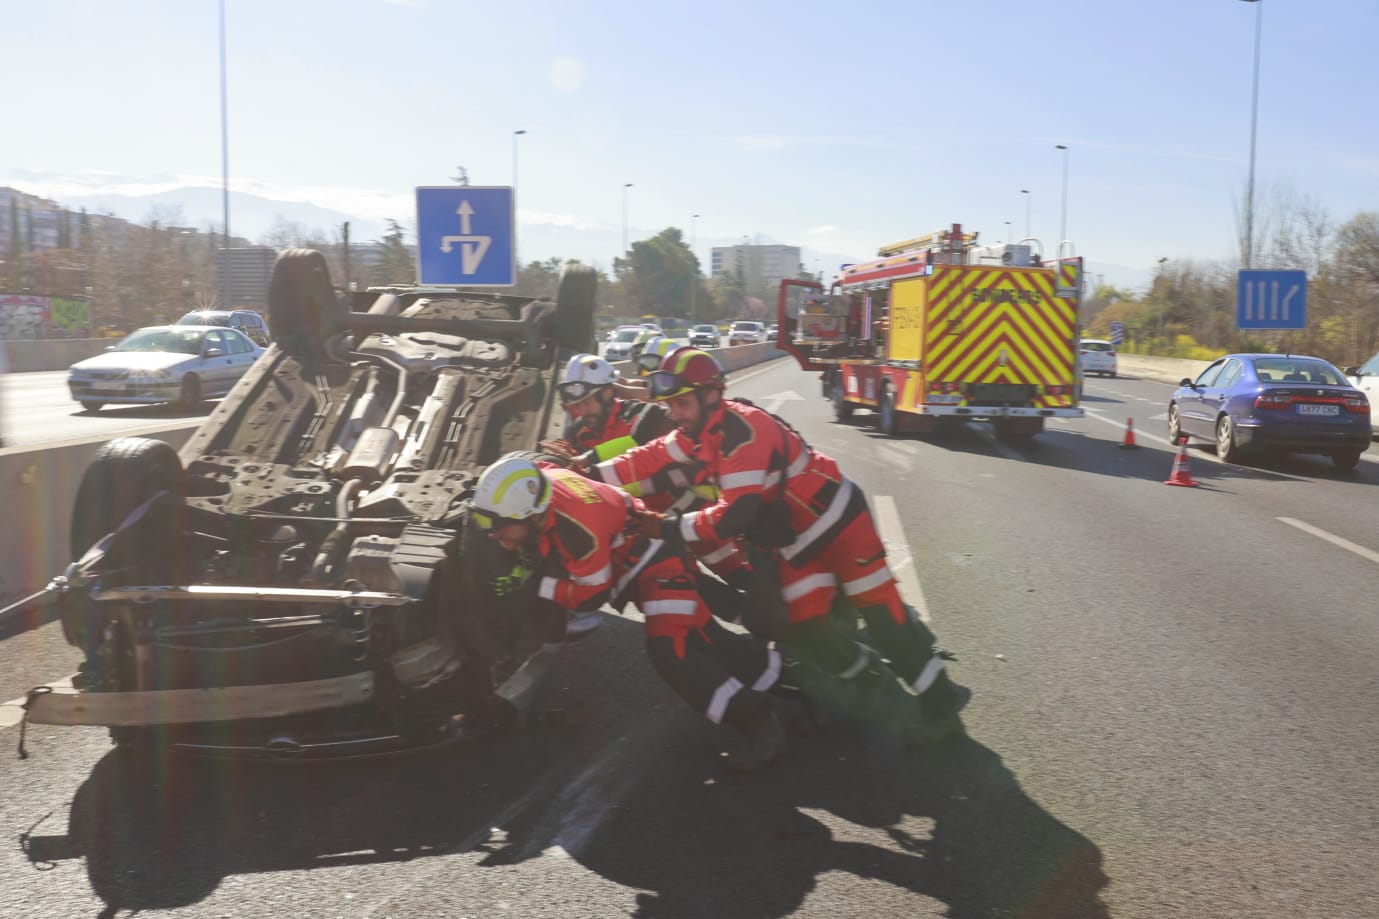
(764, 738)
(939, 708)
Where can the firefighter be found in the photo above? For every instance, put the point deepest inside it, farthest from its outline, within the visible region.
(811, 520)
(574, 528)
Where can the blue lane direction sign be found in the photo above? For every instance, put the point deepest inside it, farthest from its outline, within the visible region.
(465, 236)
(1266, 299)
(1117, 333)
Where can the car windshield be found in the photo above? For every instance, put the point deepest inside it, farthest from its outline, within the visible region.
(176, 341)
(1096, 346)
(705, 328)
(1297, 370)
(746, 326)
(627, 334)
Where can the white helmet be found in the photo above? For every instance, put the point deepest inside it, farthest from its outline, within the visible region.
(512, 488)
(584, 374)
(649, 361)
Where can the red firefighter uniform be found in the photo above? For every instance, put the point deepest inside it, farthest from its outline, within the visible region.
(596, 563)
(629, 423)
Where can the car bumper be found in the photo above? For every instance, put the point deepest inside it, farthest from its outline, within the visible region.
(197, 706)
(135, 393)
(1300, 440)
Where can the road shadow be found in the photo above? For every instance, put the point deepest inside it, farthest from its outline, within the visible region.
(950, 824)
(153, 411)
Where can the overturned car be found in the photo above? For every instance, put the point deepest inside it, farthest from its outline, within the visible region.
(301, 579)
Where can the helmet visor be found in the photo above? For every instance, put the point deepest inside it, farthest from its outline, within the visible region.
(489, 522)
(647, 362)
(665, 384)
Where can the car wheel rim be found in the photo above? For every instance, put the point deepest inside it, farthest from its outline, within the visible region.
(1173, 422)
(1223, 436)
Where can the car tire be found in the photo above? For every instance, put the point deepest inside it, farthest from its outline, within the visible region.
(885, 412)
(842, 409)
(1346, 460)
(574, 308)
(1112, 374)
(539, 318)
(1175, 430)
(1226, 447)
(124, 474)
(303, 308)
(90, 405)
(189, 396)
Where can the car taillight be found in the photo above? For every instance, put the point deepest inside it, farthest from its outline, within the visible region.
(1273, 400)
(937, 386)
(1058, 390)
(1357, 405)
(1111, 353)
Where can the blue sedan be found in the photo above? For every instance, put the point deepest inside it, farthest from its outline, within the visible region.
(1273, 403)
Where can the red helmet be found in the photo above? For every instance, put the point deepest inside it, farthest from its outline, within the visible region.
(686, 370)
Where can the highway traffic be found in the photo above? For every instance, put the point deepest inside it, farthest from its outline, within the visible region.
(1172, 717)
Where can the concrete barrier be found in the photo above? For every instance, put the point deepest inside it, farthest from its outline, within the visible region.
(53, 353)
(1162, 369)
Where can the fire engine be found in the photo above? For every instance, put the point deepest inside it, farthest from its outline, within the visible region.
(938, 330)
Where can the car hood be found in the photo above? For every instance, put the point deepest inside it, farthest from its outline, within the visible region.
(133, 360)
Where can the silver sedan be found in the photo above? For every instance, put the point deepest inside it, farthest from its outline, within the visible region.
(181, 364)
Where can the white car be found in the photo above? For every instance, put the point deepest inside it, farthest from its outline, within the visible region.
(620, 342)
(1366, 379)
(746, 332)
(1098, 357)
(184, 364)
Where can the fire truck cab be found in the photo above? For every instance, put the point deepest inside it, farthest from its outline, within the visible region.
(937, 329)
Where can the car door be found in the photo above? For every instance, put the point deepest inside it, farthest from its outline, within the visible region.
(1367, 381)
(217, 371)
(1190, 409)
(244, 354)
(1215, 396)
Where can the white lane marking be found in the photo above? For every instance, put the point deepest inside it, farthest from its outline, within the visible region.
(12, 712)
(898, 554)
(772, 364)
(1332, 538)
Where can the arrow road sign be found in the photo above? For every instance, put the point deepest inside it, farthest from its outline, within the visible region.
(465, 236)
(1271, 299)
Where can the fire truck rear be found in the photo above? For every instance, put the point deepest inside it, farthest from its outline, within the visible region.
(938, 330)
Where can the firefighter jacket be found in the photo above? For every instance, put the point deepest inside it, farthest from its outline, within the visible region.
(627, 424)
(756, 461)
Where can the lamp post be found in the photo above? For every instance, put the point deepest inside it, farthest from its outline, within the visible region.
(694, 262)
(1008, 239)
(1028, 197)
(1254, 123)
(515, 135)
(625, 187)
(1063, 221)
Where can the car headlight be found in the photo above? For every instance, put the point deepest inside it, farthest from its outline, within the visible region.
(146, 376)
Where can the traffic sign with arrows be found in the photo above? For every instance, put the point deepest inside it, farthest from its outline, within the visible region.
(1270, 299)
(465, 236)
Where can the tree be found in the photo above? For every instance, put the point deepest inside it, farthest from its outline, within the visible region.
(662, 269)
(394, 265)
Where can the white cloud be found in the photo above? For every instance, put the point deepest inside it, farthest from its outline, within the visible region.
(567, 74)
(827, 229)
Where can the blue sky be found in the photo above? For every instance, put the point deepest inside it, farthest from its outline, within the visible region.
(837, 127)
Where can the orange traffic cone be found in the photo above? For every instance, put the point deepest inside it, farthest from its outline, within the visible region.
(1180, 474)
(1129, 442)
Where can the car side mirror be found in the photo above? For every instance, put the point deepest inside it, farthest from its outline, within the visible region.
(215, 352)
(1185, 382)
(1353, 372)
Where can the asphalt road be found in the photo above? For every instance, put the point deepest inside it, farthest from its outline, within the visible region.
(1173, 717)
(36, 410)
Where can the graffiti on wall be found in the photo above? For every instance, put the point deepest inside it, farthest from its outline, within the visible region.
(27, 316)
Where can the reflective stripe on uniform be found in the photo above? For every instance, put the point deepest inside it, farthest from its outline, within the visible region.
(717, 555)
(771, 674)
(826, 520)
(598, 578)
(741, 479)
(547, 589)
(800, 464)
(687, 530)
(676, 453)
(651, 608)
(652, 549)
(608, 472)
(718, 705)
(863, 659)
(928, 675)
(818, 581)
(867, 582)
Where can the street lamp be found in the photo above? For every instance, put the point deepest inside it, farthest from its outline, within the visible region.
(1063, 221)
(1254, 123)
(1028, 197)
(694, 261)
(1008, 239)
(625, 187)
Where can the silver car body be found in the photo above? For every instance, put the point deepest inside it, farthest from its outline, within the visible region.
(150, 365)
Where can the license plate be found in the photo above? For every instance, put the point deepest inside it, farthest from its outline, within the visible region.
(106, 386)
(1306, 409)
(952, 399)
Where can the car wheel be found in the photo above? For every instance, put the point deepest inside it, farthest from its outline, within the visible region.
(1225, 440)
(842, 409)
(302, 306)
(885, 412)
(574, 308)
(539, 335)
(1112, 374)
(1346, 460)
(189, 397)
(91, 406)
(1175, 431)
(123, 475)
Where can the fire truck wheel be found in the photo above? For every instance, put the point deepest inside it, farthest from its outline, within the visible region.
(885, 412)
(842, 409)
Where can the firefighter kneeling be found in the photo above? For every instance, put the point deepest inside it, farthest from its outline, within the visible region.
(813, 526)
(575, 528)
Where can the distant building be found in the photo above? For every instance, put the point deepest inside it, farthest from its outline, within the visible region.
(244, 274)
(762, 267)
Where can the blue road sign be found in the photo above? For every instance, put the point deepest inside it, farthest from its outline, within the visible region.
(1117, 333)
(465, 236)
(1271, 299)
